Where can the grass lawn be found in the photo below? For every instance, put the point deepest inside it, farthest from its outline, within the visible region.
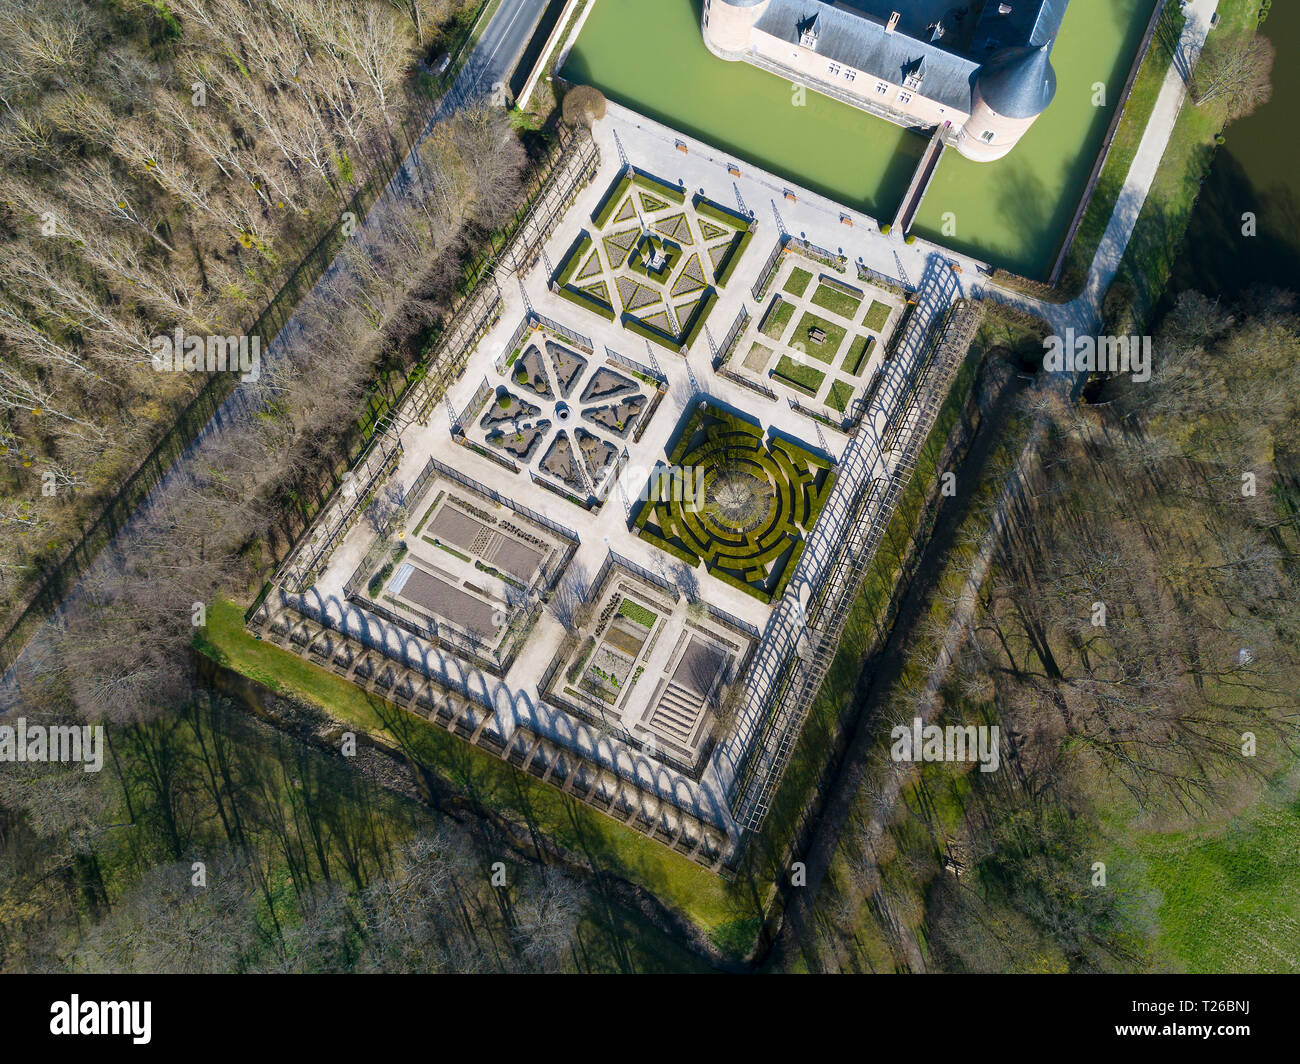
(1222, 899)
(1162, 226)
(757, 358)
(825, 351)
(837, 302)
(839, 395)
(776, 319)
(801, 378)
(877, 315)
(486, 780)
(859, 351)
(1128, 135)
(797, 285)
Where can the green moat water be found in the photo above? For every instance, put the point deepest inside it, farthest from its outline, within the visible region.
(1015, 212)
(649, 56)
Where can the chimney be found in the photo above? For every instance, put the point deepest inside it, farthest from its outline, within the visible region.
(893, 22)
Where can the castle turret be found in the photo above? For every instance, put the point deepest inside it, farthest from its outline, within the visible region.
(727, 25)
(1011, 90)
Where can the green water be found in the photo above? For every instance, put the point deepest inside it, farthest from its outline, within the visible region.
(1257, 171)
(649, 56)
(1015, 212)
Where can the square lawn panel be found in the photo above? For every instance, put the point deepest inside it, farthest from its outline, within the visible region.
(802, 378)
(837, 302)
(877, 315)
(797, 285)
(776, 319)
(825, 351)
(839, 395)
(757, 358)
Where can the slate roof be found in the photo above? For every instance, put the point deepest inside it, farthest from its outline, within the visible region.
(859, 41)
(1011, 47)
(1019, 83)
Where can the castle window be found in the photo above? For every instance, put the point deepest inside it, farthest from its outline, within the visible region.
(987, 136)
(834, 69)
(882, 87)
(904, 97)
(850, 75)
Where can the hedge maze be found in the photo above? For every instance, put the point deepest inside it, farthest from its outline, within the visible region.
(654, 260)
(737, 501)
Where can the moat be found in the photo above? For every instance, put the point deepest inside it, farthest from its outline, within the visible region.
(1013, 213)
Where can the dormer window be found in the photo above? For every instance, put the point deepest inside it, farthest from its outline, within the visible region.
(914, 74)
(808, 33)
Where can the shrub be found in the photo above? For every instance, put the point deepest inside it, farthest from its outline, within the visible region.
(574, 260)
(702, 311)
(660, 188)
(589, 302)
(583, 106)
(734, 254)
(636, 325)
(886, 228)
(716, 212)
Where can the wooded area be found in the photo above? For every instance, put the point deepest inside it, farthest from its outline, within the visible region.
(1136, 644)
(167, 166)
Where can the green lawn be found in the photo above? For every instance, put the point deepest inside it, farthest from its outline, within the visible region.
(877, 315)
(485, 780)
(859, 351)
(802, 378)
(1162, 225)
(839, 395)
(1222, 901)
(776, 319)
(797, 285)
(837, 302)
(1128, 135)
(825, 351)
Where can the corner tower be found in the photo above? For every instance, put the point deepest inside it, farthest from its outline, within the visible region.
(727, 25)
(1010, 92)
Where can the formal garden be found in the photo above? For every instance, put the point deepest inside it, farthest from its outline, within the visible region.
(550, 409)
(654, 260)
(738, 501)
(819, 337)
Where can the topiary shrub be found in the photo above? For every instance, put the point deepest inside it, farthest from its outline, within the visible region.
(583, 106)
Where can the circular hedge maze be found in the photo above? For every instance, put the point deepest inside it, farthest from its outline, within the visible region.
(737, 501)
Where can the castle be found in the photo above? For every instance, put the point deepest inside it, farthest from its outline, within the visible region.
(980, 72)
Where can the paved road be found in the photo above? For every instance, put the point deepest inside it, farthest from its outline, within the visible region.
(491, 62)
